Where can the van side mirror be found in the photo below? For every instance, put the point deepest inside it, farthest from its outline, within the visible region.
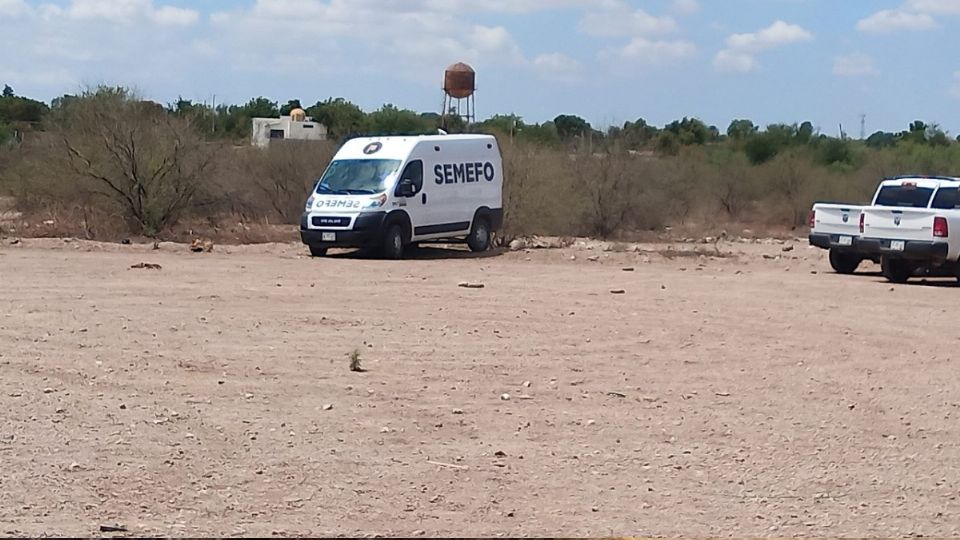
(407, 189)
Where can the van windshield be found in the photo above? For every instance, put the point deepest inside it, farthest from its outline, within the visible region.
(357, 176)
(904, 196)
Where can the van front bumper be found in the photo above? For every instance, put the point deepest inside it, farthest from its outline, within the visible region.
(367, 231)
(912, 249)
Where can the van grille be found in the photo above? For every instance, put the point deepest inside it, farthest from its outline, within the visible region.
(330, 221)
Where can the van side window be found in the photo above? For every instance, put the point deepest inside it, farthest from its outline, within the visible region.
(413, 173)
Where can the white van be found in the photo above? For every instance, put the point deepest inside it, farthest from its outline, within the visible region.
(389, 192)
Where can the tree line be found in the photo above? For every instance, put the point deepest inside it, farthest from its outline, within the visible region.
(345, 119)
(106, 162)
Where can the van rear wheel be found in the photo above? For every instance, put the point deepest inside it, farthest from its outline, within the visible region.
(896, 270)
(479, 239)
(844, 263)
(393, 242)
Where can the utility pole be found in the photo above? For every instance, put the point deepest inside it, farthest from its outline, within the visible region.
(863, 127)
(213, 117)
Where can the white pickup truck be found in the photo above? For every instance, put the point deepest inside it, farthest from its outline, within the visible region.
(836, 227)
(909, 226)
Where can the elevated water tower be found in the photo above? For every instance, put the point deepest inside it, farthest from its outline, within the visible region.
(459, 88)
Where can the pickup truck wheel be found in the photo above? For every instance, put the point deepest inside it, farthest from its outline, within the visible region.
(479, 239)
(393, 242)
(844, 263)
(318, 251)
(896, 270)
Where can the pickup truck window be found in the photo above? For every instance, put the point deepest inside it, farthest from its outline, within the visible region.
(905, 196)
(947, 199)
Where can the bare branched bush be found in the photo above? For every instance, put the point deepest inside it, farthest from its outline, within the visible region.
(132, 152)
(606, 183)
(790, 178)
(730, 182)
(541, 192)
(274, 182)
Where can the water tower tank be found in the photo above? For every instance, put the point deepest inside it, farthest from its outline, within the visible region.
(298, 115)
(459, 81)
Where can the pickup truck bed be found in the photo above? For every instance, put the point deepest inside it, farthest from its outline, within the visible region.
(836, 227)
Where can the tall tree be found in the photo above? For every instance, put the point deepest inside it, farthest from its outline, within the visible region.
(741, 129)
(291, 105)
(689, 131)
(569, 126)
(342, 118)
(21, 109)
(390, 120)
(7, 91)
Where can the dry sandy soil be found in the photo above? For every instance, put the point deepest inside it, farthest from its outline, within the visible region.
(719, 396)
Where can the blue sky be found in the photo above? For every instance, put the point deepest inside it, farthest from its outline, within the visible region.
(827, 61)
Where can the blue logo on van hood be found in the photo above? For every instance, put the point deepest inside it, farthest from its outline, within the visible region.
(372, 148)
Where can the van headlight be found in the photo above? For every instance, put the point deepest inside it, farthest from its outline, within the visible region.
(309, 205)
(377, 202)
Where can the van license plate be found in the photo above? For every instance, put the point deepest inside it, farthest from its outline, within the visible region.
(328, 237)
(846, 241)
(897, 245)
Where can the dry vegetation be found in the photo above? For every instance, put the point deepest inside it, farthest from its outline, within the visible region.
(109, 166)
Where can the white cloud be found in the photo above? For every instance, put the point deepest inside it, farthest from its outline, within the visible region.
(890, 20)
(498, 6)
(617, 18)
(558, 67)
(169, 15)
(651, 52)
(13, 8)
(912, 15)
(59, 46)
(127, 11)
(732, 61)
(742, 49)
(854, 65)
(645, 44)
(935, 7)
(685, 7)
(955, 88)
(418, 41)
(775, 35)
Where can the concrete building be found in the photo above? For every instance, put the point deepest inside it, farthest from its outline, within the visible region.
(297, 126)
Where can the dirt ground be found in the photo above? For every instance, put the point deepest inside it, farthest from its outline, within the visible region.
(732, 395)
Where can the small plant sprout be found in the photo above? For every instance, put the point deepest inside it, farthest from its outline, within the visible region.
(354, 357)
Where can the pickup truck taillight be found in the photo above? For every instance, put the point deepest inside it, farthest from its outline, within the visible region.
(940, 227)
(813, 219)
(862, 217)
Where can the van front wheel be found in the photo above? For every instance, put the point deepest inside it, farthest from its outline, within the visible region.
(393, 242)
(479, 239)
(318, 251)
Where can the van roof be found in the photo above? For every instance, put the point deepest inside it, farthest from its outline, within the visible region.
(400, 146)
(428, 138)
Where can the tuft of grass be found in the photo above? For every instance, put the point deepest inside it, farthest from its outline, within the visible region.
(354, 357)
